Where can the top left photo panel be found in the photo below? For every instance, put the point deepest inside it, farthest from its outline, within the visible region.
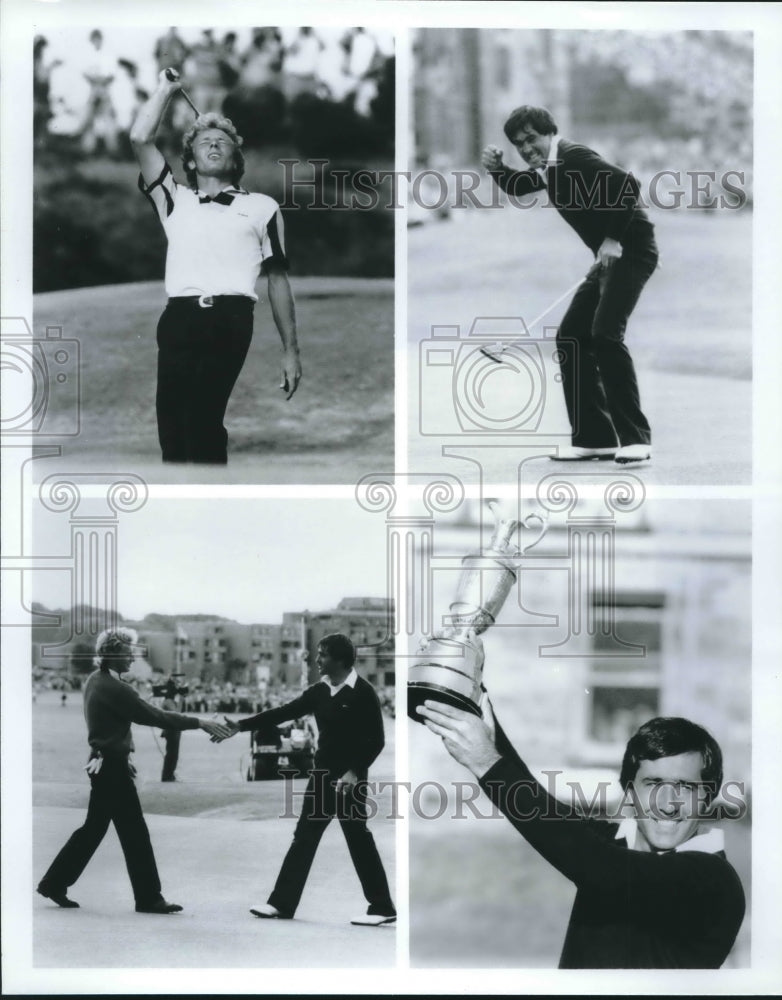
(212, 253)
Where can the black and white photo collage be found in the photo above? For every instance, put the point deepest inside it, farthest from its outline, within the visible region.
(390, 393)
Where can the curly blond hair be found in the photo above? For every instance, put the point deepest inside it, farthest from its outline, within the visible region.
(113, 642)
(212, 120)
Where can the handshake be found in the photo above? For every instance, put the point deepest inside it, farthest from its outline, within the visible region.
(219, 731)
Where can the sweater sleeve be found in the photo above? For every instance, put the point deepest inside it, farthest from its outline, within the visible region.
(303, 705)
(680, 886)
(517, 183)
(141, 712)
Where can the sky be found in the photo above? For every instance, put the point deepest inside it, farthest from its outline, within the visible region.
(250, 560)
(247, 560)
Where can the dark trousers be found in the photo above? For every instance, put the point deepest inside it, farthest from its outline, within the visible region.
(171, 756)
(113, 799)
(598, 376)
(321, 804)
(200, 354)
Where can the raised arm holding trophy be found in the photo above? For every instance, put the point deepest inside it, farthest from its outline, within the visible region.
(653, 891)
(450, 666)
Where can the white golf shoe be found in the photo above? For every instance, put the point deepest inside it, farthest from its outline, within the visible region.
(572, 453)
(633, 453)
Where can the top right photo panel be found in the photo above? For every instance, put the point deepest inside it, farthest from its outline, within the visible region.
(580, 254)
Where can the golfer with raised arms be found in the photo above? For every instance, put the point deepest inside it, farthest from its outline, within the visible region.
(220, 238)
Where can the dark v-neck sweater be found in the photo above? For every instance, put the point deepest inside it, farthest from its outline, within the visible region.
(633, 910)
(350, 724)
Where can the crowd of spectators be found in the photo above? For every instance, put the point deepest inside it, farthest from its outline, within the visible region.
(264, 83)
(207, 698)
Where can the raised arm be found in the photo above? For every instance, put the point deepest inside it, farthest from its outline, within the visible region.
(578, 848)
(142, 135)
(515, 183)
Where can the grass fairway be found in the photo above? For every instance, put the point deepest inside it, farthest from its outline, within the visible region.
(337, 426)
(695, 315)
(218, 841)
(691, 336)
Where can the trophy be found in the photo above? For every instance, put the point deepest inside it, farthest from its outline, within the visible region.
(449, 663)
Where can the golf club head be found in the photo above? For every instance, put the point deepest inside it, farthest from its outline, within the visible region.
(494, 353)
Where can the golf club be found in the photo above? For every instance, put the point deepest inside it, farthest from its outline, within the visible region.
(495, 351)
(172, 76)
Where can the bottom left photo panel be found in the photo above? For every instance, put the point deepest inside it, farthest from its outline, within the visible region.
(213, 714)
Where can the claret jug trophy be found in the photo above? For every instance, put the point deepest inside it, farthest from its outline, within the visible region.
(449, 664)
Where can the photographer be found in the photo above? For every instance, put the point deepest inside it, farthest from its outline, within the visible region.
(110, 706)
(170, 692)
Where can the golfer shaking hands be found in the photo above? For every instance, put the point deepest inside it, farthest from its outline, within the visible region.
(220, 238)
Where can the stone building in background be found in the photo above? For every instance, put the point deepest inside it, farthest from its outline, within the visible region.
(258, 655)
(467, 80)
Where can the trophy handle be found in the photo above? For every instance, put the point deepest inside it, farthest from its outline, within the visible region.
(504, 529)
(527, 522)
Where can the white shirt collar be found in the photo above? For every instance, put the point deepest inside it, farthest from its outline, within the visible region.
(552, 157)
(228, 189)
(350, 681)
(709, 843)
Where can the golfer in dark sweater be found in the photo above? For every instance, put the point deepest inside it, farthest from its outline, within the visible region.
(600, 201)
(110, 706)
(350, 725)
(653, 892)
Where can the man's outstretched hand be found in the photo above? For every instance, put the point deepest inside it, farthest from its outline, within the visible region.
(168, 80)
(290, 376)
(226, 729)
(467, 738)
(217, 731)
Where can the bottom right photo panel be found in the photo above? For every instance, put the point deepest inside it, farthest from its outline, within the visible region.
(580, 737)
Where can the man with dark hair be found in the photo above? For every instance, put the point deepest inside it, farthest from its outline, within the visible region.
(220, 237)
(656, 890)
(110, 706)
(350, 727)
(669, 737)
(600, 201)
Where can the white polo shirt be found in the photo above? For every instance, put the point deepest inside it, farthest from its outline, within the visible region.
(214, 248)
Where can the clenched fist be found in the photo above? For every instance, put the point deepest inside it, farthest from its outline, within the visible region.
(491, 158)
